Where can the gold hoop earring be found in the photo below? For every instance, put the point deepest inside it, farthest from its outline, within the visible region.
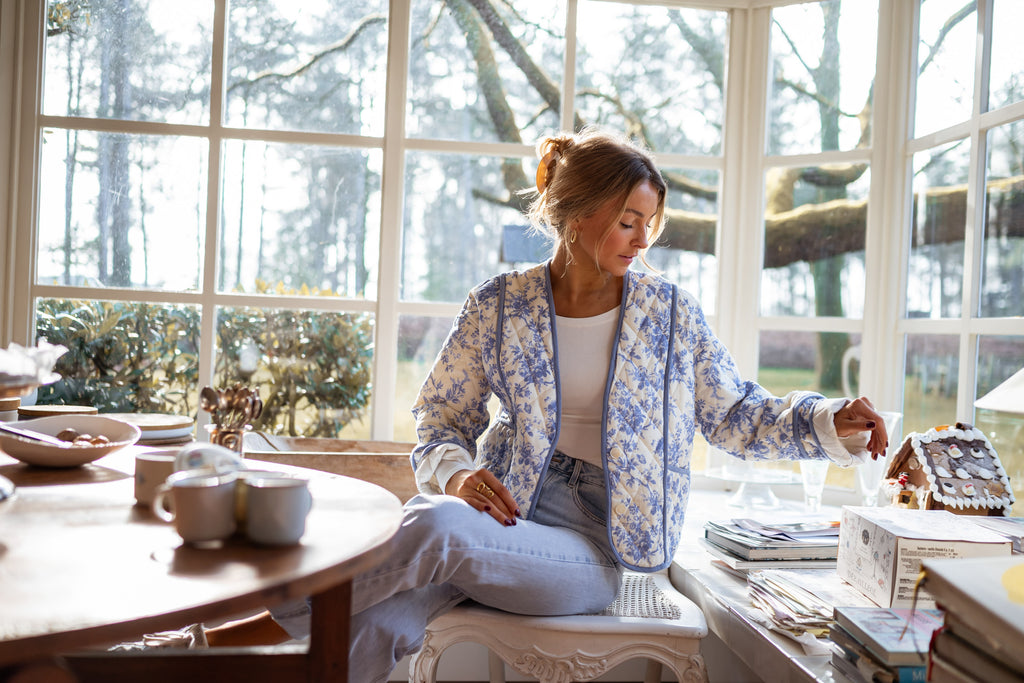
(572, 236)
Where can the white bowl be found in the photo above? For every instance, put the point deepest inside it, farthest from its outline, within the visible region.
(31, 452)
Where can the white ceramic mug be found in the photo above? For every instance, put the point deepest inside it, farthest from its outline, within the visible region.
(276, 507)
(152, 467)
(201, 505)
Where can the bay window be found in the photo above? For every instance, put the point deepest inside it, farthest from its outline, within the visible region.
(299, 195)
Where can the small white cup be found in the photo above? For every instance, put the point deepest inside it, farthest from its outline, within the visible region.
(276, 507)
(202, 505)
(152, 468)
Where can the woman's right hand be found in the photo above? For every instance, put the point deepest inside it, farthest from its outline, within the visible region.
(481, 489)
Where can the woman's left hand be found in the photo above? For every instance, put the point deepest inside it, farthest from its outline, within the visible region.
(860, 416)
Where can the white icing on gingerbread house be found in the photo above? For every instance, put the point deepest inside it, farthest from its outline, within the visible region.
(932, 466)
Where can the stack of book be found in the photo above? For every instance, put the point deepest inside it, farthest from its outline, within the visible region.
(748, 544)
(883, 645)
(982, 639)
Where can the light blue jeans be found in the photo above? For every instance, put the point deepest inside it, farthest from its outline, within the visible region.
(558, 562)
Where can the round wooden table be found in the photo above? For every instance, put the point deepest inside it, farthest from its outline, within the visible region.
(82, 566)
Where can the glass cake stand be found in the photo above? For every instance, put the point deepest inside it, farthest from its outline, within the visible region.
(755, 481)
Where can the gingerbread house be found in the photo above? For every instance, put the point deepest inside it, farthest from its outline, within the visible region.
(950, 468)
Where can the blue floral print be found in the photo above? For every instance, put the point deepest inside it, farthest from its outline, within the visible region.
(669, 377)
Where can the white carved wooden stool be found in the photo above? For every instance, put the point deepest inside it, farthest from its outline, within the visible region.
(649, 619)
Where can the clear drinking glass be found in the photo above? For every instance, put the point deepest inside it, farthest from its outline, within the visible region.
(812, 473)
(871, 472)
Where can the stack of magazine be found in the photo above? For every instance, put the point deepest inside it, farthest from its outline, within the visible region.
(798, 601)
(744, 543)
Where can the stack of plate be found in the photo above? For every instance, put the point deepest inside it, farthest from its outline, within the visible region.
(34, 411)
(160, 429)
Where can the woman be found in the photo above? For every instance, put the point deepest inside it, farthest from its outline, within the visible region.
(604, 375)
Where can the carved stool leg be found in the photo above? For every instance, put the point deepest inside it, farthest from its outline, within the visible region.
(495, 667)
(653, 674)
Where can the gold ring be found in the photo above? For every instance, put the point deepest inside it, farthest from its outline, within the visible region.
(485, 489)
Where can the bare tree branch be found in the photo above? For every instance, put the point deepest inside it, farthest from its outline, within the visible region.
(947, 27)
(493, 91)
(339, 46)
(707, 48)
(545, 87)
(815, 231)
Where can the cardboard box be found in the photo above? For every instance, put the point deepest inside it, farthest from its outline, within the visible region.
(880, 549)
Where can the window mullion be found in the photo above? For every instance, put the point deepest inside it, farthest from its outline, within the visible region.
(569, 66)
(385, 370)
(24, 190)
(208, 287)
(740, 240)
(975, 220)
(887, 239)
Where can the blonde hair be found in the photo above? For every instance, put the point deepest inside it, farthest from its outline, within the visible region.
(579, 173)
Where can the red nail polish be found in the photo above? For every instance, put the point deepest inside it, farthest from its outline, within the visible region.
(509, 522)
(487, 508)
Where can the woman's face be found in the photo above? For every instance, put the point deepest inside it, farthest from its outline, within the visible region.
(627, 237)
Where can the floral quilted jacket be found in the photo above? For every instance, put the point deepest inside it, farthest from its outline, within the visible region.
(669, 376)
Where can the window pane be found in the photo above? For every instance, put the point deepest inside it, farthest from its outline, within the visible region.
(1002, 267)
(492, 77)
(1006, 78)
(935, 272)
(929, 390)
(999, 358)
(809, 361)
(455, 209)
(823, 65)
(685, 251)
(307, 66)
(140, 61)
(945, 64)
(122, 357)
(419, 340)
(130, 210)
(300, 216)
(815, 222)
(312, 368)
(655, 71)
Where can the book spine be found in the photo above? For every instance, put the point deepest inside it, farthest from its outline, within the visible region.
(909, 674)
(848, 668)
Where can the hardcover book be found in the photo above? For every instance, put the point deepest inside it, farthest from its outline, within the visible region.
(984, 602)
(959, 652)
(869, 669)
(893, 636)
(737, 563)
(861, 670)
